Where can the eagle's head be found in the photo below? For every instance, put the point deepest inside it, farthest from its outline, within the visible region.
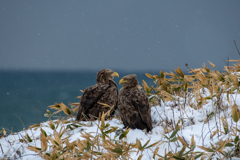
(129, 80)
(104, 75)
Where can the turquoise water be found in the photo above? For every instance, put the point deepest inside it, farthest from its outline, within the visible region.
(21, 92)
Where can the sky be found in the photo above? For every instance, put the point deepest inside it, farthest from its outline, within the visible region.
(120, 35)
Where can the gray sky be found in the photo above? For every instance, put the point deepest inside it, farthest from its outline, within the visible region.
(129, 35)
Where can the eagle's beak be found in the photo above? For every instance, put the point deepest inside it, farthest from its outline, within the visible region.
(115, 74)
(122, 81)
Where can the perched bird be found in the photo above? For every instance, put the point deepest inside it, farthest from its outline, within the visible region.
(133, 105)
(94, 97)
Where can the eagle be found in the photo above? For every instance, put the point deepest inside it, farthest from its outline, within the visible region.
(133, 105)
(100, 97)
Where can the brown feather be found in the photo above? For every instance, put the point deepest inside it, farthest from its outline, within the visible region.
(133, 105)
(104, 91)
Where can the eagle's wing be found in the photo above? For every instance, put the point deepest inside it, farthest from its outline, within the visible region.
(141, 104)
(90, 96)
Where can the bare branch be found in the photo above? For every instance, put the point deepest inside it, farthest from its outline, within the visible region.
(236, 46)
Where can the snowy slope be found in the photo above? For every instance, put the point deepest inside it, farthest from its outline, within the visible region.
(163, 116)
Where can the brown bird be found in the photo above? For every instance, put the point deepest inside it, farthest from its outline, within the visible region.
(94, 97)
(133, 105)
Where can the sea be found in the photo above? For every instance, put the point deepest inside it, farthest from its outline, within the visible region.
(26, 95)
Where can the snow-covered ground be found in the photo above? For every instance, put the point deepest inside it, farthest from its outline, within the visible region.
(164, 117)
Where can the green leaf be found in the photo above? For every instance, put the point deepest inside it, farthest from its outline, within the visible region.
(118, 150)
(208, 97)
(56, 143)
(177, 157)
(186, 86)
(235, 113)
(111, 130)
(225, 125)
(98, 153)
(181, 152)
(38, 148)
(103, 126)
(209, 117)
(174, 139)
(124, 134)
(52, 126)
(152, 144)
(75, 125)
(197, 156)
(48, 154)
(229, 145)
(161, 74)
(29, 138)
(47, 115)
(236, 139)
(177, 89)
(118, 132)
(69, 126)
(166, 136)
(208, 70)
(206, 149)
(146, 143)
(174, 132)
(44, 132)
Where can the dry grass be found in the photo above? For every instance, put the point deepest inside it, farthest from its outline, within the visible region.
(178, 85)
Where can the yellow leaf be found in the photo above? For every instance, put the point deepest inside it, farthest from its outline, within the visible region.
(52, 141)
(57, 111)
(35, 149)
(55, 106)
(104, 104)
(69, 145)
(44, 144)
(195, 70)
(33, 126)
(57, 138)
(161, 74)
(109, 143)
(65, 156)
(65, 109)
(213, 65)
(155, 152)
(48, 112)
(145, 86)
(4, 132)
(80, 146)
(225, 124)
(214, 133)
(139, 87)
(138, 143)
(179, 72)
(182, 141)
(74, 104)
(149, 76)
(124, 146)
(171, 74)
(167, 130)
(103, 117)
(51, 125)
(192, 141)
(234, 60)
(62, 131)
(206, 149)
(140, 157)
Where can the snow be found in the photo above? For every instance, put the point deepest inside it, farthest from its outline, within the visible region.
(166, 115)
